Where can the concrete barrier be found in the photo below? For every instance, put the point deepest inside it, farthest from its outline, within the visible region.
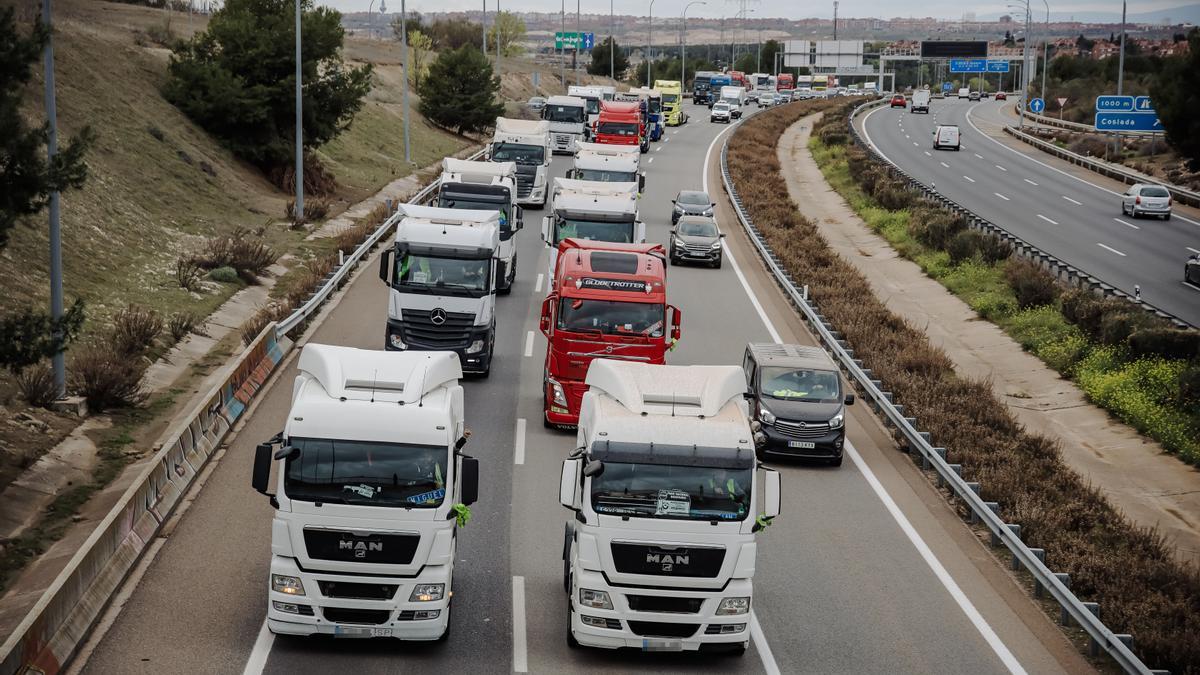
(51, 632)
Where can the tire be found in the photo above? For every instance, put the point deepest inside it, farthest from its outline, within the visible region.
(1167, 217)
(445, 636)
(572, 643)
(717, 264)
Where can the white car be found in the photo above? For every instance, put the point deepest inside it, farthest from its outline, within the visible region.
(721, 112)
(946, 136)
(766, 100)
(1146, 200)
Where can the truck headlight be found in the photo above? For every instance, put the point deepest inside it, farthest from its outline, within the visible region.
(837, 421)
(282, 583)
(732, 606)
(396, 341)
(594, 599)
(766, 416)
(557, 394)
(427, 592)
(476, 346)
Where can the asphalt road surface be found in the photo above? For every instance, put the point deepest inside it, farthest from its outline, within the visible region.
(1070, 213)
(867, 570)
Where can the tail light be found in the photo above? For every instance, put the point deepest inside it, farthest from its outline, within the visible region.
(1138, 200)
(1168, 201)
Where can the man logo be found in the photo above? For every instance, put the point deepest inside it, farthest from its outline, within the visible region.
(668, 560)
(360, 548)
(438, 316)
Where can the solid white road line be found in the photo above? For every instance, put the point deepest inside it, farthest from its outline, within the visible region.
(1129, 225)
(529, 343)
(519, 442)
(969, 178)
(1192, 250)
(260, 652)
(760, 644)
(1072, 201)
(1001, 196)
(964, 603)
(1001, 168)
(1190, 286)
(1109, 248)
(1046, 219)
(537, 288)
(1031, 182)
(944, 164)
(520, 650)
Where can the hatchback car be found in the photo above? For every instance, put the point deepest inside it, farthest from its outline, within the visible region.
(696, 239)
(1146, 200)
(721, 112)
(766, 99)
(536, 103)
(973, 96)
(691, 203)
(1001, 96)
(898, 101)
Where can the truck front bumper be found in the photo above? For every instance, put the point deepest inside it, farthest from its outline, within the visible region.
(537, 196)
(472, 362)
(315, 614)
(623, 627)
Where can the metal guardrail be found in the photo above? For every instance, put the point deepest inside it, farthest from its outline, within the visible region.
(1062, 270)
(1051, 122)
(1058, 585)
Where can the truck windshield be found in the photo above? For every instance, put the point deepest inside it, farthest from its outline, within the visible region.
(564, 113)
(604, 176)
(670, 98)
(366, 473)
(799, 384)
(594, 230)
(464, 202)
(519, 153)
(627, 129)
(655, 105)
(675, 492)
(593, 106)
(442, 276)
(611, 317)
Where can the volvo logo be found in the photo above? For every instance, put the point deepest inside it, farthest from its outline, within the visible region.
(437, 316)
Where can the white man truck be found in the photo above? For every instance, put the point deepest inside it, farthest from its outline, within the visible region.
(567, 116)
(660, 555)
(584, 209)
(590, 94)
(368, 495)
(608, 163)
(527, 144)
(482, 186)
(442, 275)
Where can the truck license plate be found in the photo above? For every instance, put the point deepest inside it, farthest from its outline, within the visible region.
(649, 645)
(802, 444)
(344, 632)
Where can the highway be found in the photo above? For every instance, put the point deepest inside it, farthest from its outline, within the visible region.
(1069, 212)
(867, 570)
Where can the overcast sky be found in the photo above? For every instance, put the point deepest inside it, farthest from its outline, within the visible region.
(792, 9)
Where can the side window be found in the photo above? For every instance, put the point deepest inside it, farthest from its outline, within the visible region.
(748, 366)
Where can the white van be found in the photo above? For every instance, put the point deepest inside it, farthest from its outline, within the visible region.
(946, 136)
(965, 92)
(920, 101)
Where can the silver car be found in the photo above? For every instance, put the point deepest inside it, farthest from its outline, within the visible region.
(696, 239)
(1146, 200)
(691, 203)
(536, 103)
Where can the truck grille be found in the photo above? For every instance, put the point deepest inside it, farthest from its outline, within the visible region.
(524, 184)
(377, 548)
(682, 561)
(366, 617)
(563, 140)
(663, 629)
(355, 591)
(664, 603)
(802, 429)
(420, 331)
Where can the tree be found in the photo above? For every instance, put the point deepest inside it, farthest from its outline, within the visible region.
(1176, 96)
(450, 34)
(1009, 41)
(599, 64)
(420, 45)
(28, 336)
(413, 24)
(1083, 44)
(27, 179)
(511, 30)
(237, 79)
(460, 91)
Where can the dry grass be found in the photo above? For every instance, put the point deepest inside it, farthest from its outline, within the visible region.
(1142, 588)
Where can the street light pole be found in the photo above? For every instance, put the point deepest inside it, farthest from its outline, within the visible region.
(58, 361)
(299, 125)
(683, 44)
(562, 52)
(496, 23)
(404, 51)
(578, 42)
(649, 39)
(612, 41)
(483, 24)
(1046, 50)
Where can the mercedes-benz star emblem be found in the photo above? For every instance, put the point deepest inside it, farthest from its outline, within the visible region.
(438, 316)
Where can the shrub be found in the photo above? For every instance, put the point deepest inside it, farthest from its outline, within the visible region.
(1189, 388)
(314, 210)
(107, 378)
(225, 275)
(894, 196)
(240, 250)
(134, 329)
(1117, 326)
(993, 249)
(36, 385)
(180, 324)
(265, 315)
(1088, 145)
(1032, 285)
(965, 245)
(187, 273)
(1169, 343)
(935, 227)
(833, 137)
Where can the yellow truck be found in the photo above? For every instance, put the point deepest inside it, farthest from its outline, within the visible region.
(672, 101)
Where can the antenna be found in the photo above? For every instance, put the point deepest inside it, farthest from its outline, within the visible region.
(421, 398)
(374, 380)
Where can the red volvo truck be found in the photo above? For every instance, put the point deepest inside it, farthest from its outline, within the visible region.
(607, 301)
(785, 81)
(621, 123)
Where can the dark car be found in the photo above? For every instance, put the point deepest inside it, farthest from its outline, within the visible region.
(1001, 96)
(1191, 270)
(797, 399)
(691, 203)
(898, 101)
(696, 239)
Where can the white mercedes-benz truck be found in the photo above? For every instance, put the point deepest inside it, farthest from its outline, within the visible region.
(584, 209)
(442, 274)
(606, 163)
(370, 489)
(482, 186)
(567, 116)
(527, 144)
(660, 554)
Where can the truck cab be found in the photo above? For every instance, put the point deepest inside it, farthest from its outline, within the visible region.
(593, 211)
(370, 474)
(567, 116)
(593, 96)
(660, 551)
(481, 186)
(702, 90)
(651, 100)
(526, 143)
(785, 81)
(621, 123)
(672, 101)
(738, 79)
(607, 300)
(715, 84)
(608, 164)
(442, 274)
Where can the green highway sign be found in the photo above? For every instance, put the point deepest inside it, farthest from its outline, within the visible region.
(573, 40)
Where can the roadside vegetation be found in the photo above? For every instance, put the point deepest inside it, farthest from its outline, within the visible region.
(1140, 585)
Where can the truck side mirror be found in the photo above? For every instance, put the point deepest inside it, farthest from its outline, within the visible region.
(772, 493)
(546, 222)
(642, 181)
(676, 321)
(593, 469)
(468, 480)
(520, 217)
(568, 482)
(497, 274)
(261, 478)
(385, 266)
(849, 400)
(547, 306)
(640, 232)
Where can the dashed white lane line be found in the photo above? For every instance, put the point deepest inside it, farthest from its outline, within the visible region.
(969, 178)
(529, 343)
(1197, 252)
(1001, 168)
(907, 136)
(944, 164)
(1031, 182)
(978, 156)
(1109, 248)
(537, 287)
(520, 650)
(1046, 219)
(519, 442)
(1128, 224)
(1072, 201)
(650, 161)
(928, 154)
(915, 144)
(1001, 196)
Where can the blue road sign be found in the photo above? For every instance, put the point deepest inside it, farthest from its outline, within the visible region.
(1114, 104)
(968, 65)
(1036, 106)
(997, 66)
(589, 40)
(947, 86)
(1127, 121)
(1143, 104)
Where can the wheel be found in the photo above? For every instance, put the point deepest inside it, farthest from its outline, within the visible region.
(717, 264)
(572, 643)
(1124, 211)
(1133, 212)
(1167, 217)
(674, 261)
